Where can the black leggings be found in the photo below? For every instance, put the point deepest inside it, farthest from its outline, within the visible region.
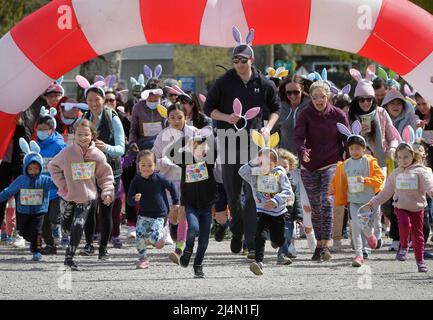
(275, 225)
(31, 229)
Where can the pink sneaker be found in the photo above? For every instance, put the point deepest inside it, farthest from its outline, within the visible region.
(358, 261)
(142, 263)
(372, 242)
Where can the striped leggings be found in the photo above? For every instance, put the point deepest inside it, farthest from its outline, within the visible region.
(316, 184)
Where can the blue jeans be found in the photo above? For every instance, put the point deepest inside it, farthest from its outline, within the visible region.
(288, 235)
(199, 223)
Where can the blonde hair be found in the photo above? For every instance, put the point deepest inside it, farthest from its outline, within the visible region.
(321, 85)
(86, 124)
(288, 156)
(417, 153)
(417, 158)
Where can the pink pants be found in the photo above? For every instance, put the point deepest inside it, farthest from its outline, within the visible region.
(10, 221)
(410, 226)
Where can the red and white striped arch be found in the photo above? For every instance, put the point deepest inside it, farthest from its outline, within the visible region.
(37, 51)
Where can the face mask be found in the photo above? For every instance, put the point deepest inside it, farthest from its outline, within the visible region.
(152, 105)
(68, 122)
(43, 135)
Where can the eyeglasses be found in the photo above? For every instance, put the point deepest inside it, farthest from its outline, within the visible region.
(362, 100)
(236, 60)
(110, 100)
(293, 93)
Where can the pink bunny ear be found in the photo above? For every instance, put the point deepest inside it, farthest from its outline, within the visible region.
(237, 106)
(356, 74)
(147, 71)
(202, 97)
(83, 82)
(121, 109)
(158, 71)
(343, 129)
(252, 113)
(123, 95)
(396, 134)
(250, 37)
(356, 127)
(407, 90)
(99, 84)
(370, 73)
(406, 135)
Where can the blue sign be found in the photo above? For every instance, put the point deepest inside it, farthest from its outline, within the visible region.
(188, 83)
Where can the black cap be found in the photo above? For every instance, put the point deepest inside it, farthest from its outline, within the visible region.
(244, 51)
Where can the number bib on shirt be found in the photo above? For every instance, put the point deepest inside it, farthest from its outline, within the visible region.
(407, 181)
(31, 197)
(196, 172)
(267, 184)
(151, 129)
(45, 165)
(83, 170)
(354, 185)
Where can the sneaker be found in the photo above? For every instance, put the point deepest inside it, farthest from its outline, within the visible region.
(373, 243)
(358, 261)
(117, 243)
(428, 255)
(65, 241)
(395, 245)
(245, 252)
(251, 255)
(19, 242)
(365, 255)
(142, 263)
(175, 256)
(311, 241)
(70, 264)
(336, 246)
(236, 244)
(88, 250)
(132, 234)
(49, 250)
(198, 272)
(103, 254)
(10, 240)
(422, 267)
(283, 260)
(326, 254)
(378, 245)
(57, 234)
(257, 268)
(317, 255)
(167, 238)
(292, 252)
(37, 256)
(401, 255)
(184, 259)
(220, 232)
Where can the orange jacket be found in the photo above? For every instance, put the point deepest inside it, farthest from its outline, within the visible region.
(339, 182)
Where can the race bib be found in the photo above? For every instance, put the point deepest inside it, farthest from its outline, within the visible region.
(83, 170)
(151, 129)
(45, 165)
(31, 197)
(267, 184)
(354, 185)
(407, 181)
(196, 172)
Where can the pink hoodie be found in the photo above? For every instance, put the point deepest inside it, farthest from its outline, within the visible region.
(83, 188)
(410, 199)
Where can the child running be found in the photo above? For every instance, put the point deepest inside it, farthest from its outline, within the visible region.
(149, 190)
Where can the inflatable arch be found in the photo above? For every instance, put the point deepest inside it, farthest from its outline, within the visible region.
(65, 33)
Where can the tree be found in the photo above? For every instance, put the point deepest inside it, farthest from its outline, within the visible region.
(11, 12)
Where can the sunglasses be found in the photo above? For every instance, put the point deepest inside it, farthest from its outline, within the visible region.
(110, 100)
(238, 59)
(362, 100)
(293, 93)
(172, 95)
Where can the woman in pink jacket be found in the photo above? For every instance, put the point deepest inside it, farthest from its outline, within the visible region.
(75, 171)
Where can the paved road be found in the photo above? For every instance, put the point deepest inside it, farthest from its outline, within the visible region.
(227, 277)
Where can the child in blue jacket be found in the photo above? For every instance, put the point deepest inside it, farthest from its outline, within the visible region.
(33, 198)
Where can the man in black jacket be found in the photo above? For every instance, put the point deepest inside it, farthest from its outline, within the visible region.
(245, 83)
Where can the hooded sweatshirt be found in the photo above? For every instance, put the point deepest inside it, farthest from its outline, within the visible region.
(74, 173)
(407, 117)
(34, 191)
(275, 186)
(50, 147)
(408, 186)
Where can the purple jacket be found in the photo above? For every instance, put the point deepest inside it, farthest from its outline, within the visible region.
(318, 132)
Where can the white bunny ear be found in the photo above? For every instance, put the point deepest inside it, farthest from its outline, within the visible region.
(343, 129)
(53, 112)
(141, 79)
(147, 72)
(134, 82)
(356, 127)
(250, 37)
(346, 89)
(24, 146)
(34, 147)
(356, 74)
(82, 82)
(43, 111)
(158, 71)
(237, 35)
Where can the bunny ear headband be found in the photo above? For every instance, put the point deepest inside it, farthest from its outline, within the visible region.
(109, 81)
(177, 91)
(49, 113)
(139, 82)
(315, 76)
(250, 114)
(370, 74)
(156, 73)
(356, 130)
(30, 149)
(70, 105)
(122, 95)
(260, 141)
(84, 84)
(390, 79)
(280, 73)
(243, 48)
(156, 92)
(198, 134)
(337, 92)
(410, 136)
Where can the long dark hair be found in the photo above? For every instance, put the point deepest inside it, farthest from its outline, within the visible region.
(196, 107)
(355, 110)
(303, 82)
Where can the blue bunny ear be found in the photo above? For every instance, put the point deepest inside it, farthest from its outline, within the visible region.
(311, 76)
(418, 133)
(24, 146)
(324, 74)
(59, 81)
(250, 37)
(133, 81)
(412, 135)
(43, 111)
(53, 112)
(237, 35)
(158, 71)
(318, 77)
(34, 147)
(141, 79)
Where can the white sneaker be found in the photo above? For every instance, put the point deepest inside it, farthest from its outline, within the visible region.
(292, 250)
(19, 242)
(336, 246)
(311, 240)
(394, 246)
(168, 239)
(131, 233)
